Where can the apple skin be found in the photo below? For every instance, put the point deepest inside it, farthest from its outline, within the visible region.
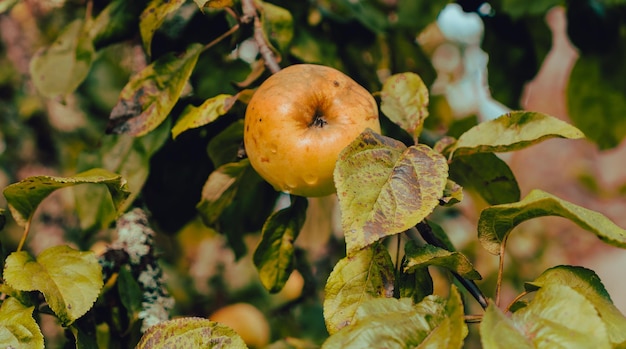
(299, 120)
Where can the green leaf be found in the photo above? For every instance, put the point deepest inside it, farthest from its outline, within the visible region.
(560, 317)
(415, 285)
(452, 330)
(23, 197)
(588, 284)
(595, 97)
(390, 323)
(150, 95)
(190, 332)
(220, 190)
(18, 328)
(366, 275)
(277, 25)
(209, 111)
(70, 280)
(3, 218)
(426, 255)
(404, 100)
(152, 17)
(498, 331)
(523, 8)
(274, 256)
(496, 222)
(130, 292)
(224, 147)
(59, 69)
(117, 21)
(124, 154)
(385, 188)
(488, 175)
(513, 131)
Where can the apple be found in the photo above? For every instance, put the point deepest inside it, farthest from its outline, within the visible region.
(299, 120)
(247, 320)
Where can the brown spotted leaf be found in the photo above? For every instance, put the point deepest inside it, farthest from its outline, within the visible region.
(404, 100)
(149, 96)
(190, 332)
(385, 188)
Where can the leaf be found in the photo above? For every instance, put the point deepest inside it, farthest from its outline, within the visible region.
(277, 25)
(452, 194)
(152, 17)
(595, 97)
(415, 285)
(488, 175)
(225, 146)
(452, 330)
(24, 196)
(150, 95)
(498, 331)
(385, 188)
(70, 280)
(522, 8)
(422, 256)
(558, 316)
(588, 284)
(366, 275)
(190, 332)
(390, 323)
(123, 154)
(117, 21)
(513, 131)
(404, 100)
(209, 111)
(6, 5)
(130, 292)
(496, 222)
(18, 328)
(3, 218)
(274, 256)
(59, 69)
(213, 3)
(220, 189)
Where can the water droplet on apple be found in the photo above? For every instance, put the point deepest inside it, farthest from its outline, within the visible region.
(273, 149)
(310, 179)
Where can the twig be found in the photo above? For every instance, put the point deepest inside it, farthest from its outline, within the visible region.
(427, 234)
(221, 37)
(473, 319)
(520, 296)
(250, 14)
(24, 235)
(500, 271)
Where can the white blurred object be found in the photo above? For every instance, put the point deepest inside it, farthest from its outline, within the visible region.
(461, 65)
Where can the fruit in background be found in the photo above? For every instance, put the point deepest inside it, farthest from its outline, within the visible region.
(299, 120)
(248, 321)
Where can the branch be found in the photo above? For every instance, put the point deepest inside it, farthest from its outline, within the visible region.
(250, 14)
(427, 234)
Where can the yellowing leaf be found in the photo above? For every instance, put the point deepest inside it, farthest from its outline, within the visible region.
(208, 112)
(277, 24)
(367, 275)
(70, 280)
(23, 197)
(588, 284)
(18, 328)
(404, 100)
(150, 95)
(513, 131)
(496, 222)
(220, 190)
(560, 317)
(59, 69)
(498, 331)
(190, 332)
(153, 16)
(452, 330)
(385, 188)
(274, 256)
(213, 3)
(426, 255)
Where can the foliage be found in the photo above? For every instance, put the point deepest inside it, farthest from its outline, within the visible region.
(137, 106)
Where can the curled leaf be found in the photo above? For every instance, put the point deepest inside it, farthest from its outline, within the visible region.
(513, 131)
(190, 332)
(404, 100)
(23, 197)
(496, 222)
(385, 188)
(209, 111)
(153, 16)
(274, 256)
(18, 328)
(354, 280)
(426, 255)
(70, 280)
(150, 95)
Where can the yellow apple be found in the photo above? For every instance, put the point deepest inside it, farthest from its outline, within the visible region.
(245, 319)
(299, 120)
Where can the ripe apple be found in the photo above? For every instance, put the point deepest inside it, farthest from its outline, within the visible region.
(299, 120)
(245, 319)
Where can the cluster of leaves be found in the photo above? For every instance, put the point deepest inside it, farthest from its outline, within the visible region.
(388, 186)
